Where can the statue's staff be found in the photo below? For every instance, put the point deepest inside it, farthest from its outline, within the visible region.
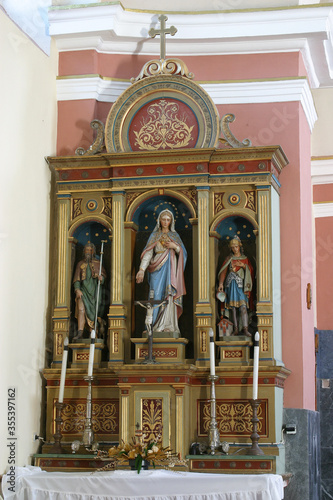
(99, 283)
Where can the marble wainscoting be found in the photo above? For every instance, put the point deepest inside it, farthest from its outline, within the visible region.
(324, 343)
(303, 454)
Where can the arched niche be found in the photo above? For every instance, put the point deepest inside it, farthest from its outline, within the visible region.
(95, 232)
(145, 217)
(246, 229)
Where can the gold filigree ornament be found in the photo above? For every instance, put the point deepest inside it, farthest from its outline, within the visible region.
(164, 128)
(164, 67)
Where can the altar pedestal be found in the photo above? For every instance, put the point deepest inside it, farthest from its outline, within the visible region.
(233, 464)
(70, 462)
(165, 350)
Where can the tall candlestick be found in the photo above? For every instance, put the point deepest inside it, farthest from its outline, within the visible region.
(255, 366)
(91, 353)
(63, 371)
(212, 352)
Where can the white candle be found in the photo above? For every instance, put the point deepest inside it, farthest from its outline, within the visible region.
(212, 352)
(255, 366)
(91, 353)
(63, 371)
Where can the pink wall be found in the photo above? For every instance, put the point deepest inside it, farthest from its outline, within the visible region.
(223, 67)
(324, 266)
(74, 118)
(323, 193)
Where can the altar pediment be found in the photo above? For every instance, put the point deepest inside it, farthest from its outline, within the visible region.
(162, 112)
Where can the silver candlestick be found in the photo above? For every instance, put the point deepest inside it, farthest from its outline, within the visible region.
(214, 444)
(213, 431)
(88, 433)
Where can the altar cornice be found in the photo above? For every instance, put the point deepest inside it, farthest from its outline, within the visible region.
(202, 155)
(260, 166)
(109, 28)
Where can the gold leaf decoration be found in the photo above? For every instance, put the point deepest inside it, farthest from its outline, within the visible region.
(164, 128)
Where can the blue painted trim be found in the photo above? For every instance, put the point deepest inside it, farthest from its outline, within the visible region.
(245, 174)
(276, 180)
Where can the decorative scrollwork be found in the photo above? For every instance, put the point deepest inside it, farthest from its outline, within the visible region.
(152, 418)
(233, 418)
(164, 67)
(228, 136)
(105, 417)
(164, 128)
(98, 143)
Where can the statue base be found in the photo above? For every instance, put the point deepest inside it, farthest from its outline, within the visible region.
(165, 350)
(81, 353)
(235, 350)
(162, 335)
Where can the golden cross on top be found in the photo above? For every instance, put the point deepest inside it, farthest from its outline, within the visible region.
(162, 32)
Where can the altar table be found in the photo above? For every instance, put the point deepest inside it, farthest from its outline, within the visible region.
(31, 483)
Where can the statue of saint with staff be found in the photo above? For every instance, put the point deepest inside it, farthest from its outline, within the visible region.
(88, 277)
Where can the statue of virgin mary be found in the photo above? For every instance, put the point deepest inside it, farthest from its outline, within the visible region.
(164, 257)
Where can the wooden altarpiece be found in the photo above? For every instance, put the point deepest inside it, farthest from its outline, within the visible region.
(164, 145)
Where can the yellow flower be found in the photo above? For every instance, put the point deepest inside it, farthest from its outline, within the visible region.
(113, 451)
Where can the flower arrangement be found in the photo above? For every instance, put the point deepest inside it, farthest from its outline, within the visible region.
(152, 453)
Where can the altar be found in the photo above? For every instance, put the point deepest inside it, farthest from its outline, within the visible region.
(155, 223)
(34, 484)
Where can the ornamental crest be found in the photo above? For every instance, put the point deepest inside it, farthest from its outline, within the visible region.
(164, 127)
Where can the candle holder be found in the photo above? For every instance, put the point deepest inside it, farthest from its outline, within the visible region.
(213, 432)
(88, 433)
(57, 448)
(255, 450)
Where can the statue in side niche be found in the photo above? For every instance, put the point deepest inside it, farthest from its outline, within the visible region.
(88, 274)
(235, 281)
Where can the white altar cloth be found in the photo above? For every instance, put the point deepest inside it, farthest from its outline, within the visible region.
(31, 483)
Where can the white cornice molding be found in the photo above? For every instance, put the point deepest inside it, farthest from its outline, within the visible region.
(322, 210)
(111, 29)
(90, 87)
(108, 90)
(322, 171)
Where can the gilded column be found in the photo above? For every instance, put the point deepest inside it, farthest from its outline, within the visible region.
(203, 310)
(129, 282)
(180, 421)
(61, 313)
(124, 413)
(264, 274)
(117, 317)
